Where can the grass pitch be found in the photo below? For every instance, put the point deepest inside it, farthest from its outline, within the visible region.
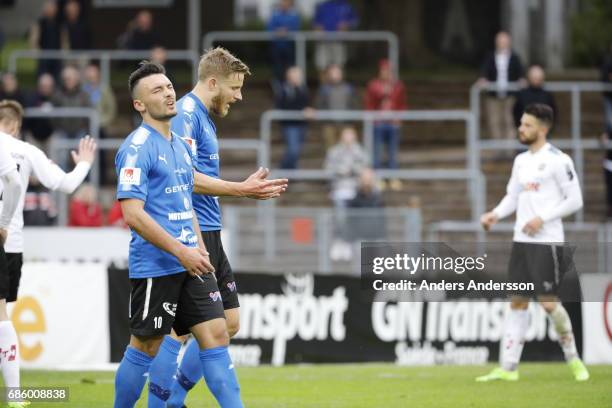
(365, 385)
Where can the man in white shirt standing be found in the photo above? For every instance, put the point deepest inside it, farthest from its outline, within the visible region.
(29, 160)
(543, 188)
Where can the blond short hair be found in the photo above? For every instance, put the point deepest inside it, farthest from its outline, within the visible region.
(220, 62)
(10, 110)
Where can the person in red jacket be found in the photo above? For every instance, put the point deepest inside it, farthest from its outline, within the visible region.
(85, 210)
(386, 93)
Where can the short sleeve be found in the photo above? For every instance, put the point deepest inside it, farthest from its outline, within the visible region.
(133, 169)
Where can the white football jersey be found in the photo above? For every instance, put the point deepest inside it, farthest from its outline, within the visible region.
(542, 184)
(6, 160)
(30, 159)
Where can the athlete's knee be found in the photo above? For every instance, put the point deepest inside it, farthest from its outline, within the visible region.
(148, 345)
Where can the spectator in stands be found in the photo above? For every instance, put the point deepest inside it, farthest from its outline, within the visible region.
(335, 94)
(41, 128)
(332, 16)
(345, 161)
(85, 211)
(101, 97)
(9, 88)
(606, 78)
(159, 54)
(140, 34)
(500, 68)
(285, 18)
(70, 95)
(115, 216)
(39, 207)
(386, 93)
(293, 95)
(75, 30)
(533, 93)
(46, 35)
(368, 225)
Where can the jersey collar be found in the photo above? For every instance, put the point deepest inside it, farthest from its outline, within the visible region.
(155, 132)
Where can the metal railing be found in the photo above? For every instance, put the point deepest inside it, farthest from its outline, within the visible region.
(598, 236)
(575, 143)
(268, 244)
(105, 57)
(301, 37)
(472, 174)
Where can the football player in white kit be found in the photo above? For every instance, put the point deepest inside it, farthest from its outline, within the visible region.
(29, 160)
(543, 188)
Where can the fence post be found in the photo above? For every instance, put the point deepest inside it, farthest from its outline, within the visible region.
(576, 141)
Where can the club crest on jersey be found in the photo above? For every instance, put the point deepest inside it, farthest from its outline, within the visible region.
(192, 145)
(231, 286)
(215, 296)
(531, 186)
(130, 176)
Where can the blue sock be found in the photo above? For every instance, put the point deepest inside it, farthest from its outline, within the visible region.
(161, 372)
(131, 377)
(188, 374)
(220, 376)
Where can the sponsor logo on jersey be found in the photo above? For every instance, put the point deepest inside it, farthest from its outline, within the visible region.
(531, 186)
(215, 296)
(231, 286)
(187, 236)
(170, 308)
(214, 156)
(180, 216)
(180, 171)
(570, 173)
(176, 189)
(186, 203)
(130, 176)
(162, 158)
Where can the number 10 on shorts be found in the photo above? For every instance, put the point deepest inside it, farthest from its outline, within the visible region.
(157, 322)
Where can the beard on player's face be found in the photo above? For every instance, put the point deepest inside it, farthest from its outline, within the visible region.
(528, 137)
(220, 104)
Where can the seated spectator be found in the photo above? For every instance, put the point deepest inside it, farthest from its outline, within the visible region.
(292, 95)
(70, 95)
(140, 34)
(85, 210)
(345, 161)
(76, 34)
(533, 93)
(335, 94)
(115, 216)
(39, 207)
(367, 225)
(40, 128)
(386, 93)
(9, 88)
(285, 18)
(46, 35)
(331, 16)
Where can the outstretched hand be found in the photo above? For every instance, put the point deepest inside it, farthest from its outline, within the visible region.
(257, 187)
(87, 150)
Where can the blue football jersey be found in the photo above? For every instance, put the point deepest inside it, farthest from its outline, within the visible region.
(194, 125)
(160, 173)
